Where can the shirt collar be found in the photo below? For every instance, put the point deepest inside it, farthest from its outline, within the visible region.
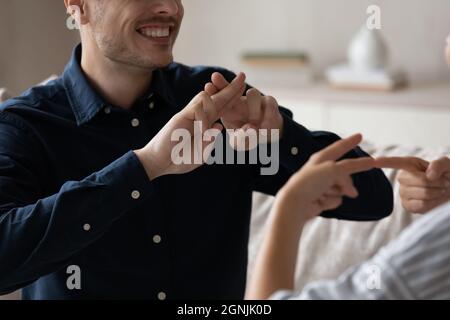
(86, 102)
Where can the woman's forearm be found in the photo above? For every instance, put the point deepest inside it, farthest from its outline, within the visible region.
(275, 265)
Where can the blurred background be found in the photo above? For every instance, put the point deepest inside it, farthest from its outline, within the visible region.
(35, 43)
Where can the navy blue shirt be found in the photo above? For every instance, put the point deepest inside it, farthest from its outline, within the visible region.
(73, 193)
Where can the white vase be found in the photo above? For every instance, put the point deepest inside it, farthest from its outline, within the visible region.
(368, 51)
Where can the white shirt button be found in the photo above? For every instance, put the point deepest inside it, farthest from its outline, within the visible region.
(157, 239)
(135, 195)
(162, 296)
(107, 110)
(135, 123)
(87, 227)
(294, 151)
(151, 105)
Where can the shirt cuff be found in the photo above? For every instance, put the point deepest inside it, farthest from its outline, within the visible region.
(296, 145)
(109, 194)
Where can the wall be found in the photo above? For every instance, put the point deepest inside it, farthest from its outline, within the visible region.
(216, 31)
(34, 37)
(34, 41)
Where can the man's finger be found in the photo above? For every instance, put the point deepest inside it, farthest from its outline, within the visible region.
(254, 99)
(219, 80)
(402, 163)
(421, 206)
(271, 108)
(211, 109)
(426, 194)
(438, 168)
(338, 149)
(219, 83)
(236, 87)
(419, 179)
(211, 89)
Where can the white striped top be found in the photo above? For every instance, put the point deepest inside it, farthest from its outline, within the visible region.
(414, 266)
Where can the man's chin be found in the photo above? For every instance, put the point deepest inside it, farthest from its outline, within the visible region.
(147, 62)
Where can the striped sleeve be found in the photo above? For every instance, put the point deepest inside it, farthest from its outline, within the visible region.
(414, 266)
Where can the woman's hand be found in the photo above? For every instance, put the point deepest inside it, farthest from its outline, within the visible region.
(320, 185)
(323, 181)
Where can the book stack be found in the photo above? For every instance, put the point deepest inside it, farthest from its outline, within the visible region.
(348, 77)
(277, 69)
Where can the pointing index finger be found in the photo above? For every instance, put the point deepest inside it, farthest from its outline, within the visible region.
(402, 163)
(338, 149)
(352, 166)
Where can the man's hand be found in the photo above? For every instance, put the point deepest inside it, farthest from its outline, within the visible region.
(156, 157)
(253, 111)
(423, 185)
(322, 182)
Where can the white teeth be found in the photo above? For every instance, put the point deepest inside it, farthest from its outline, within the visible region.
(155, 32)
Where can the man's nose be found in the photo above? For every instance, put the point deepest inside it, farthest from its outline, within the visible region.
(166, 7)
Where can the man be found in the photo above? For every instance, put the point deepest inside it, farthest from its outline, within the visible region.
(92, 204)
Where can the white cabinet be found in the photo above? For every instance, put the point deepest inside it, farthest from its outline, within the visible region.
(418, 116)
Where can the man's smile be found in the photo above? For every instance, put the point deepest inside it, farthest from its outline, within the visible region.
(157, 33)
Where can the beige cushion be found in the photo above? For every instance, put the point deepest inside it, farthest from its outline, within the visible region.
(328, 247)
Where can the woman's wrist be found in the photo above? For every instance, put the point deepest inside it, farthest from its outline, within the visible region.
(293, 208)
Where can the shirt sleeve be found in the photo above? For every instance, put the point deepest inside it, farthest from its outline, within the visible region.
(40, 233)
(373, 280)
(413, 266)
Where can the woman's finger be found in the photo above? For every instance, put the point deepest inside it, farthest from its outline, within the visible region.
(351, 166)
(402, 163)
(338, 149)
(330, 203)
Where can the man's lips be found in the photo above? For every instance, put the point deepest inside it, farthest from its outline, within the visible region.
(155, 32)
